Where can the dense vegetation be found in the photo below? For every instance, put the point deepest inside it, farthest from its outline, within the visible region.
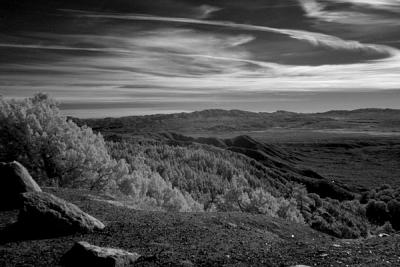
(58, 152)
(153, 174)
(219, 179)
(383, 206)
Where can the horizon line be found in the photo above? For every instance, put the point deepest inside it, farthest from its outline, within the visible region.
(239, 110)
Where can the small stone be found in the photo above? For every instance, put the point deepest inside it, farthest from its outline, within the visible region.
(185, 263)
(232, 225)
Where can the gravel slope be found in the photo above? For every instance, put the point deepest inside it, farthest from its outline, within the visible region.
(200, 239)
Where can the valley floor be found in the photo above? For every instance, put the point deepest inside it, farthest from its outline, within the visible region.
(200, 239)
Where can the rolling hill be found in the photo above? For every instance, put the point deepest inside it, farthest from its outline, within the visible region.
(219, 122)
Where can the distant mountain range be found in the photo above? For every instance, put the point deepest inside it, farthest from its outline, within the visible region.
(216, 121)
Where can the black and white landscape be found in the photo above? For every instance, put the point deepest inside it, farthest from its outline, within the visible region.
(200, 133)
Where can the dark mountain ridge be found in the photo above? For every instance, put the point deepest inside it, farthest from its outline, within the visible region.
(216, 121)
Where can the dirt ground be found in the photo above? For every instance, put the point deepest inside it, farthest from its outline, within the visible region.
(199, 239)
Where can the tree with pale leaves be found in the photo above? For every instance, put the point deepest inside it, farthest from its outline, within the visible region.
(60, 153)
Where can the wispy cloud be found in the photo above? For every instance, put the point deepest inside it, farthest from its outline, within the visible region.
(391, 5)
(189, 60)
(325, 11)
(206, 10)
(311, 37)
(60, 47)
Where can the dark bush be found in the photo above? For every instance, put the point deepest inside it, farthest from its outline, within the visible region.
(376, 212)
(341, 219)
(385, 195)
(394, 211)
(316, 198)
(365, 197)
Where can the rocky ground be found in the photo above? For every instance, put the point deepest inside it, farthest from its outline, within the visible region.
(198, 239)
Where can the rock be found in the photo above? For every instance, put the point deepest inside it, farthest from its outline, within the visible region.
(14, 180)
(85, 254)
(43, 213)
(231, 225)
(185, 263)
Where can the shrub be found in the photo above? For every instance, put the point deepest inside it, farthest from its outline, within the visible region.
(387, 228)
(385, 194)
(341, 219)
(259, 201)
(365, 197)
(376, 212)
(317, 199)
(394, 212)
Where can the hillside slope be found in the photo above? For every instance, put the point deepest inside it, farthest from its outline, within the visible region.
(275, 158)
(200, 239)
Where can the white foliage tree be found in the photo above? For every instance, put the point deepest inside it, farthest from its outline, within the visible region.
(34, 132)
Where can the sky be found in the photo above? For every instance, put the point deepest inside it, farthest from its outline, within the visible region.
(102, 58)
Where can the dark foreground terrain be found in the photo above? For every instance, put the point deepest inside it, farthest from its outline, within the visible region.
(199, 239)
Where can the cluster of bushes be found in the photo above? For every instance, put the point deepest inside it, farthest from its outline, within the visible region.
(259, 201)
(203, 171)
(219, 179)
(344, 219)
(383, 206)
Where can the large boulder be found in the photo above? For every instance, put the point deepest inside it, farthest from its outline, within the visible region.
(85, 254)
(44, 214)
(14, 180)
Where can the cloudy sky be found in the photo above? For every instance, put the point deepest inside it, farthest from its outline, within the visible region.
(127, 57)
